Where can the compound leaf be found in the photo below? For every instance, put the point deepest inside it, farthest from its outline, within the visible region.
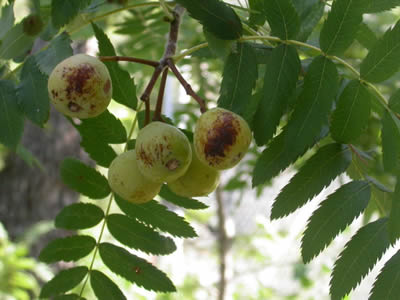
(360, 255)
(318, 172)
(135, 269)
(366, 37)
(79, 216)
(104, 288)
(138, 236)
(333, 215)
(310, 13)
(63, 11)
(184, 202)
(84, 179)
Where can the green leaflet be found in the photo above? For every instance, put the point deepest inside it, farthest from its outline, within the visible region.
(360, 255)
(104, 288)
(138, 236)
(239, 78)
(387, 284)
(157, 216)
(124, 89)
(84, 179)
(382, 60)
(102, 153)
(279, 83)
(341, 26)
(318, 172)
(11, 118)
(7, 19)
(67, 249)
(79, 216)
(135, 269)
(310, 12)
(32, 93)
(313, 106)
(381, 5)
(257, 17)
(366, 37)
(352, 113)
(216, 17)
(184, 202)
(63, 282)
(394, 218)
(15, 43)
(69, 297)
(220, 48)
(63, 11)
(333, 215)
(282, 18)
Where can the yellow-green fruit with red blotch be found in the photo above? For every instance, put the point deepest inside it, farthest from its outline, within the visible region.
(199, 180)
(126, 180)
(163, 152)
(221, 138)
(80, 87)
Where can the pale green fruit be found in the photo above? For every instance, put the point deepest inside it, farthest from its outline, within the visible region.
(163, 152)
(221, 138)
(199, 180)
(80, 87)
(125, 179)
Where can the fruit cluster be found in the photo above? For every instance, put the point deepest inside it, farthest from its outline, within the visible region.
(80, 86)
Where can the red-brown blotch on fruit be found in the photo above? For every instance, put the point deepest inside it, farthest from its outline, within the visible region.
(163, 152)
(125, 179)
(80, 87)
(221, 138)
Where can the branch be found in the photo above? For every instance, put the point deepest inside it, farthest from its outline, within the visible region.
(157, 113)
(151, 63)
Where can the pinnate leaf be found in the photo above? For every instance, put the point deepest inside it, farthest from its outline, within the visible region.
(79, 216)
(352, 112)
(67, 249)
(64, 281)
(360, 255)
(104, 288)
(84, 179)
(366, 37)
(318, 172)
(7, 18)
(63, 11)
(310, 12)
(282, 18)
(239, 78)
(394, 217)
(382, 60)
(135, 269)
(184, 202)
(138, 236)
(15, 43)
(387, 284)
(216, 17)
(124, 89)
(102, 153)
(11, 118)
(257, 17)
(341, 26)
(381, 5)
(279, 83)
(158, 216)
(333, 216)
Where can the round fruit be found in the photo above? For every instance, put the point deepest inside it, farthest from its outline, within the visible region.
(163, 152)
(199, 180)
(221, 138)
(125, 179)
(80, 86)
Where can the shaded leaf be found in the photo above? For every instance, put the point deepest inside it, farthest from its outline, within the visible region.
(32, 93)
(102, 153)
(138, 236)
(381, 62)
(69, 297)
(220, 48)
(216, 17)
(104, 288)
(360, 255)
(310, 12)
(79, 216)
(67, 249)
(257, 17)
(341, 26)
(84, 179)
(282, 18)
(11, 118)
(381, 5)
(184, 202)
(317, 173)
(64, 281)
(279, 83)
(352, 112)
(387, 284)
(15, 43)
(158, 216)
(366, 37)
(334, 214)
(135, 269)
(63, 11)
(7, 19)
(239, 78)
(124, 89)
(394, 218)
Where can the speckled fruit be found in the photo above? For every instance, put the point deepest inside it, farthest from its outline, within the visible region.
(221, 138)
(199, 180)
(80, 86)
(125, 179)
(163, 152)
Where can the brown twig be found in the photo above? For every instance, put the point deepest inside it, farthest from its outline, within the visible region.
(157, 112)
(147, 62)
